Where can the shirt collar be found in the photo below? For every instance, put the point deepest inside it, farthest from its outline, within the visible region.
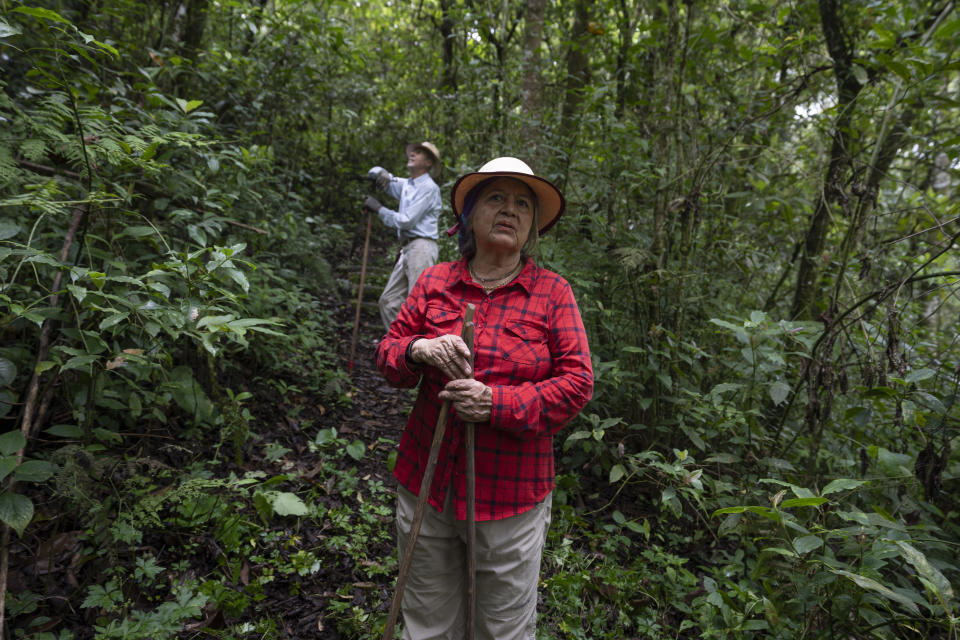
(420, 179)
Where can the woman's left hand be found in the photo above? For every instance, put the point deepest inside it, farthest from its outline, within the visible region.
(472, 399)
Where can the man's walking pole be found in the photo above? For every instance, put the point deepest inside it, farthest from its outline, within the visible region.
(467, 334)
(363, 275)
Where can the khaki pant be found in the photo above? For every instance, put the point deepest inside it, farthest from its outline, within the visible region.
(415, 256)
(508, 571)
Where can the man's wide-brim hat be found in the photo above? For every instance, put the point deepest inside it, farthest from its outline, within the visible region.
(549, 198)
(434, 153)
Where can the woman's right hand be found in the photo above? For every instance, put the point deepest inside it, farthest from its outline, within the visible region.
(447, 353)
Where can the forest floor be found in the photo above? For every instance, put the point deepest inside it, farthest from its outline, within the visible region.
(353, 585)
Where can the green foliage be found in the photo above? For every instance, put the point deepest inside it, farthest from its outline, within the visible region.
(759, 233)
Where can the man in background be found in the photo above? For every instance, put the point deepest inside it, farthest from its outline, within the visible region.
(416, 221)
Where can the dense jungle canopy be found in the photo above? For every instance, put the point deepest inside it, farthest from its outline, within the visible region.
(761, 232)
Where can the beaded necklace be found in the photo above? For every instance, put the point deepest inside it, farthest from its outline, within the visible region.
(489, 284)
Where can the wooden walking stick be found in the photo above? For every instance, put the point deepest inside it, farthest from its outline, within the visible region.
(363, 275)
(470, 436)
(467, 334)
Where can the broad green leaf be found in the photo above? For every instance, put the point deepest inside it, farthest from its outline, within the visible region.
(726, 325)
(920, 374)
(779, 392)
(237, 276)
(869, 583)
(6, 402)
(766, 512)
(871, 520)
(78, 362)
(43, 14)
(803, 502)
(191, 105)
(8, 229)
(138, 231)
(324, 436)
(34, 471)
(723, 387)
(790, 553)
(289, 504)
(160, 288)
(112, 320)
(725, 510)
(65, 431)
(78, 292)
(44, 365)
(214, 321)
(806, 544)
(937, 582)
(8, 372)
(356, 449)
(841, 484)
(11, 442)
(7, 30)
(723, 458)
(7, 464)
(617, 472)
(16, 510)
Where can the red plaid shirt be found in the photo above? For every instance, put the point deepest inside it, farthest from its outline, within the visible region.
(530, 348)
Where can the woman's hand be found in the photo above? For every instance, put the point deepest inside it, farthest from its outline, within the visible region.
(472, 399)
(448, 353)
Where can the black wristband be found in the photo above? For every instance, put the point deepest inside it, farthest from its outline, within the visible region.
(409, 353)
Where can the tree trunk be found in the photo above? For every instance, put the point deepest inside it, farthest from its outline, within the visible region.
(578, 72)
(194, 24)
(831, 191)
(532, 89)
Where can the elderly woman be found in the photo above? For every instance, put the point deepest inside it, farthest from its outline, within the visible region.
(532, 375)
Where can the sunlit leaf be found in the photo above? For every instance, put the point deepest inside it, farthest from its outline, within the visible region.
(806, 544)
(43, 14)
(872, 585)
(289, 504)
(841, 484)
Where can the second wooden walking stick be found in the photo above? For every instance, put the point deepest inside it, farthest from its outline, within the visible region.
(363, 275)
(467, 334)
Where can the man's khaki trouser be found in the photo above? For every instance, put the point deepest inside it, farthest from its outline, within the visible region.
(415, 256)
(508, 571)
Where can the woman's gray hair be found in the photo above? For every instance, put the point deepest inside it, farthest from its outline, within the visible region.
(467, 242)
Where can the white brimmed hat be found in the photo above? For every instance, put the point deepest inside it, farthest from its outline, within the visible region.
(431, 149)
(549, 198)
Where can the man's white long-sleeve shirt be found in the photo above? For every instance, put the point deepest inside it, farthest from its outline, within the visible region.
(419, 211)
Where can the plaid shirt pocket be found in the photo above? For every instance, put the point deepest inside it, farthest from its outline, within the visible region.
(524, 342)
(442, 321)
